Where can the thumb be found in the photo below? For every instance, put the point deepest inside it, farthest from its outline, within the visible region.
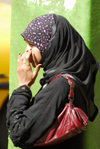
(36, 70)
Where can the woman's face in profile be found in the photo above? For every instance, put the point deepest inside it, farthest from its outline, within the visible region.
(36, 55)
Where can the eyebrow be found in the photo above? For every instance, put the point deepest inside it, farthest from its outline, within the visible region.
(25, 40)
(28, 42)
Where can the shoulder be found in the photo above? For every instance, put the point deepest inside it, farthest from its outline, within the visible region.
(56, 91)
(59, 85)
(60, 82)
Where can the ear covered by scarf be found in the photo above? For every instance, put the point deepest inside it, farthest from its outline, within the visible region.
(63, 51)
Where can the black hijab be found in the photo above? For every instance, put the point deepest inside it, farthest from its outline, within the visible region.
(66, 52)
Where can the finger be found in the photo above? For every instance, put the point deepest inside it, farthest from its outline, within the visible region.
(22, 59)
(25, 57)
(36, 70)
(19, 58)
(28, 56)
(19, 55)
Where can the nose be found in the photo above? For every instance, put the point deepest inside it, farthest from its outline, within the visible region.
(28, 47)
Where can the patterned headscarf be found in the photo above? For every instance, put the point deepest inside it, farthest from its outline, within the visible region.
(39, 31)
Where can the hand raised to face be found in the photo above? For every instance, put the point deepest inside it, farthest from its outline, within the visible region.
(24, 71)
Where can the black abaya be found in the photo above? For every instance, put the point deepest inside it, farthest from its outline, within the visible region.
(65, 52)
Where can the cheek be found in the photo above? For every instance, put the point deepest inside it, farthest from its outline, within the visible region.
(33, 53)
(37, 54)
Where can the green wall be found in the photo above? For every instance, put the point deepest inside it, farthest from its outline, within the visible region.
(85, 17)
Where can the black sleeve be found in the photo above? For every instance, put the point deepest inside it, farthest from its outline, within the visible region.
(27, 122)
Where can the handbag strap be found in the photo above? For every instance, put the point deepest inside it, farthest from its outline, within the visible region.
(71, 84)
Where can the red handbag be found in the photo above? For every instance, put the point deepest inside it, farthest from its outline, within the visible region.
(70, 122)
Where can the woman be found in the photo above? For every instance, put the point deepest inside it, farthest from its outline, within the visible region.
(52, 43)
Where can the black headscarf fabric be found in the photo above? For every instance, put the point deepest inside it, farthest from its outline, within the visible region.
(66, 52)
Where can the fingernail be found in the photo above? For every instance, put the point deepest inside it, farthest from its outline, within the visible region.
(30, 49)
(26, 50)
